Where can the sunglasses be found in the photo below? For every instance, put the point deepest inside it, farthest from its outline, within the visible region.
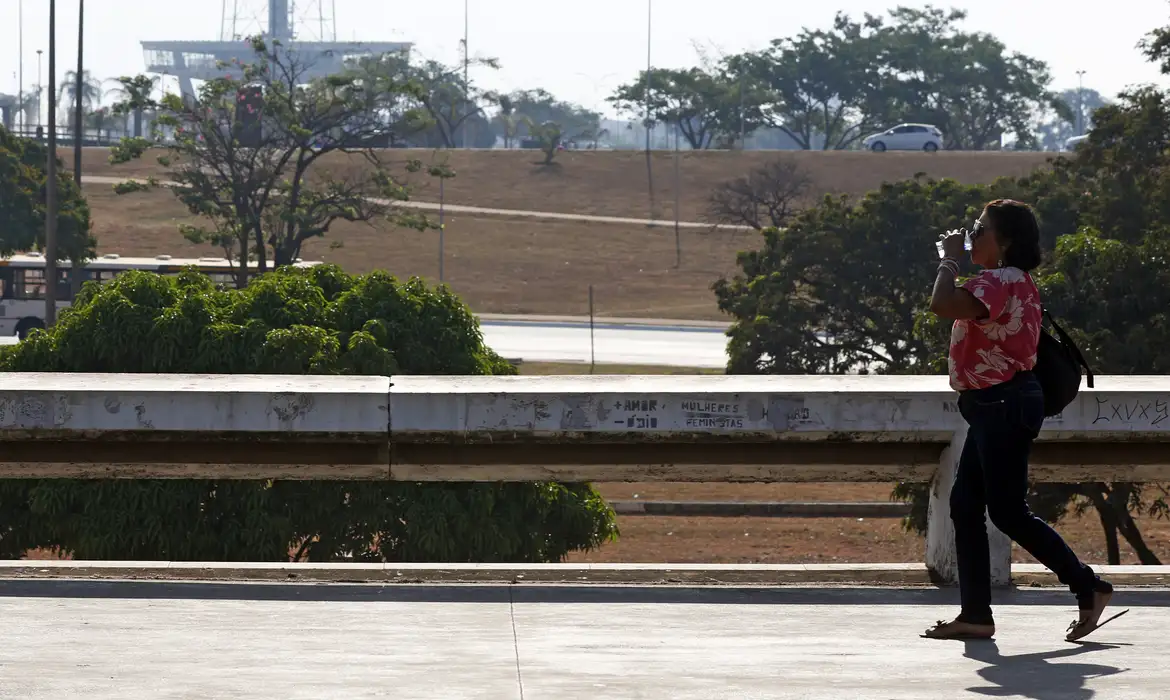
(977, 229)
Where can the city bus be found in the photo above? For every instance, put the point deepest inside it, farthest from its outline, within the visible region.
(22, 282)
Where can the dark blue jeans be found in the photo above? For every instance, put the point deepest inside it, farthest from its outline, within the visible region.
(993, 475)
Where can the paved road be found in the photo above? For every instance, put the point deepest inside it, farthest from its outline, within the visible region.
(282, 641)
(671, 346)
(507, 213)
(674, 346)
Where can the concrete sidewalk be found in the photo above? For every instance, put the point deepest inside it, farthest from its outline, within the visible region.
(131, 640)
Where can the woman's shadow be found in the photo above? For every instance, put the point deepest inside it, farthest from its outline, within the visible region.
(1031, 676)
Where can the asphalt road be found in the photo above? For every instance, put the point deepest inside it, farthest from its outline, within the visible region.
(673, 346)
(106, 640)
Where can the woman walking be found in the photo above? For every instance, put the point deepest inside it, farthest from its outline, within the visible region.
(993, 350)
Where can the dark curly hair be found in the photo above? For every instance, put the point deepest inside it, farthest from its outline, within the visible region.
(1015, 224)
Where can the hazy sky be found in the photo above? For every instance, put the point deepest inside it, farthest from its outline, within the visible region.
(581, 53)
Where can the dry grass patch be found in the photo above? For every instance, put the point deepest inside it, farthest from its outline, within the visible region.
(614, 183)
(496, 266)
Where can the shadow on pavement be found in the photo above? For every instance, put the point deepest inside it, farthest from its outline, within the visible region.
(536, 593)
(1032, 676)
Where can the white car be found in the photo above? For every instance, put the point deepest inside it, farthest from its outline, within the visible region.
(1071, 144)
(906, 137)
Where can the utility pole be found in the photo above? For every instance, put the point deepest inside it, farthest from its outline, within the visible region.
(742, 123)
(677, 197)
(649, 162)
(20, 67)
(78, 103)
(649, 30)
(51, 179)
(466, 82)
(1080, 103)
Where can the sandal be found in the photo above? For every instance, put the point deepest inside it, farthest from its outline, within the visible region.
(1091, 608)
(958, 629)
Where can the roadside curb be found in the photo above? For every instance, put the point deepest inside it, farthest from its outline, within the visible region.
(596, 574)
(760, 509)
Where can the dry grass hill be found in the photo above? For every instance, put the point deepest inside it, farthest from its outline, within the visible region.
(521, 265)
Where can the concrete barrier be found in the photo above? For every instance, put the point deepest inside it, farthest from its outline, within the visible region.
(193, 426)
(571, 428)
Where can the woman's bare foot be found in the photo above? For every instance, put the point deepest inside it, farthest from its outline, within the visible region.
(957, 629)
(1090, 616)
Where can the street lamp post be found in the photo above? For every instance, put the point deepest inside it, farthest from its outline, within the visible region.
(51, 179)
(1080, 103)
(40, 87)
(20, 66)
(78, 103)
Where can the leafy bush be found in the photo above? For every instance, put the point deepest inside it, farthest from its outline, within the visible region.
(315, 321)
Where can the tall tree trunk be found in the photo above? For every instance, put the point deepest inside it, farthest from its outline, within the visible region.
(1109, 525)
(1119, 500)
(1098, 493)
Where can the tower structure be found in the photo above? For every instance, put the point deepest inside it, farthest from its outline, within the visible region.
(287, 20)
(307, 28)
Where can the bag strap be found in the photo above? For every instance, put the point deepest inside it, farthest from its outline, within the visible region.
(1067, 342)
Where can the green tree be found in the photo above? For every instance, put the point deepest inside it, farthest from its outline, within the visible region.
(98, 120)
(135, 97)
(293, 321)
(90, 93)
(390, 79)
(537, 107)
(828, 88)
(823, 88)
(258, 184)
(455, 109)
(505, 121)
(832, 292)
(1053, 128)
(966, 83)
(550, 137)
(1120, 170)
(22, 203)
(704, 106)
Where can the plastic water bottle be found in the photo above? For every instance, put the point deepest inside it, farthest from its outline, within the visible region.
(966, 242)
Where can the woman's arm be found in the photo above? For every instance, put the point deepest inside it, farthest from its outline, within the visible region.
(949, 301)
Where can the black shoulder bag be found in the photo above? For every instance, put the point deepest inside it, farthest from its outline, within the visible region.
(1058, 367)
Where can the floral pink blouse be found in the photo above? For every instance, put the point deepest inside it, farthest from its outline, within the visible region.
(990, 351)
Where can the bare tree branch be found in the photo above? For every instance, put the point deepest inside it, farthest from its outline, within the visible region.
(769, 196)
